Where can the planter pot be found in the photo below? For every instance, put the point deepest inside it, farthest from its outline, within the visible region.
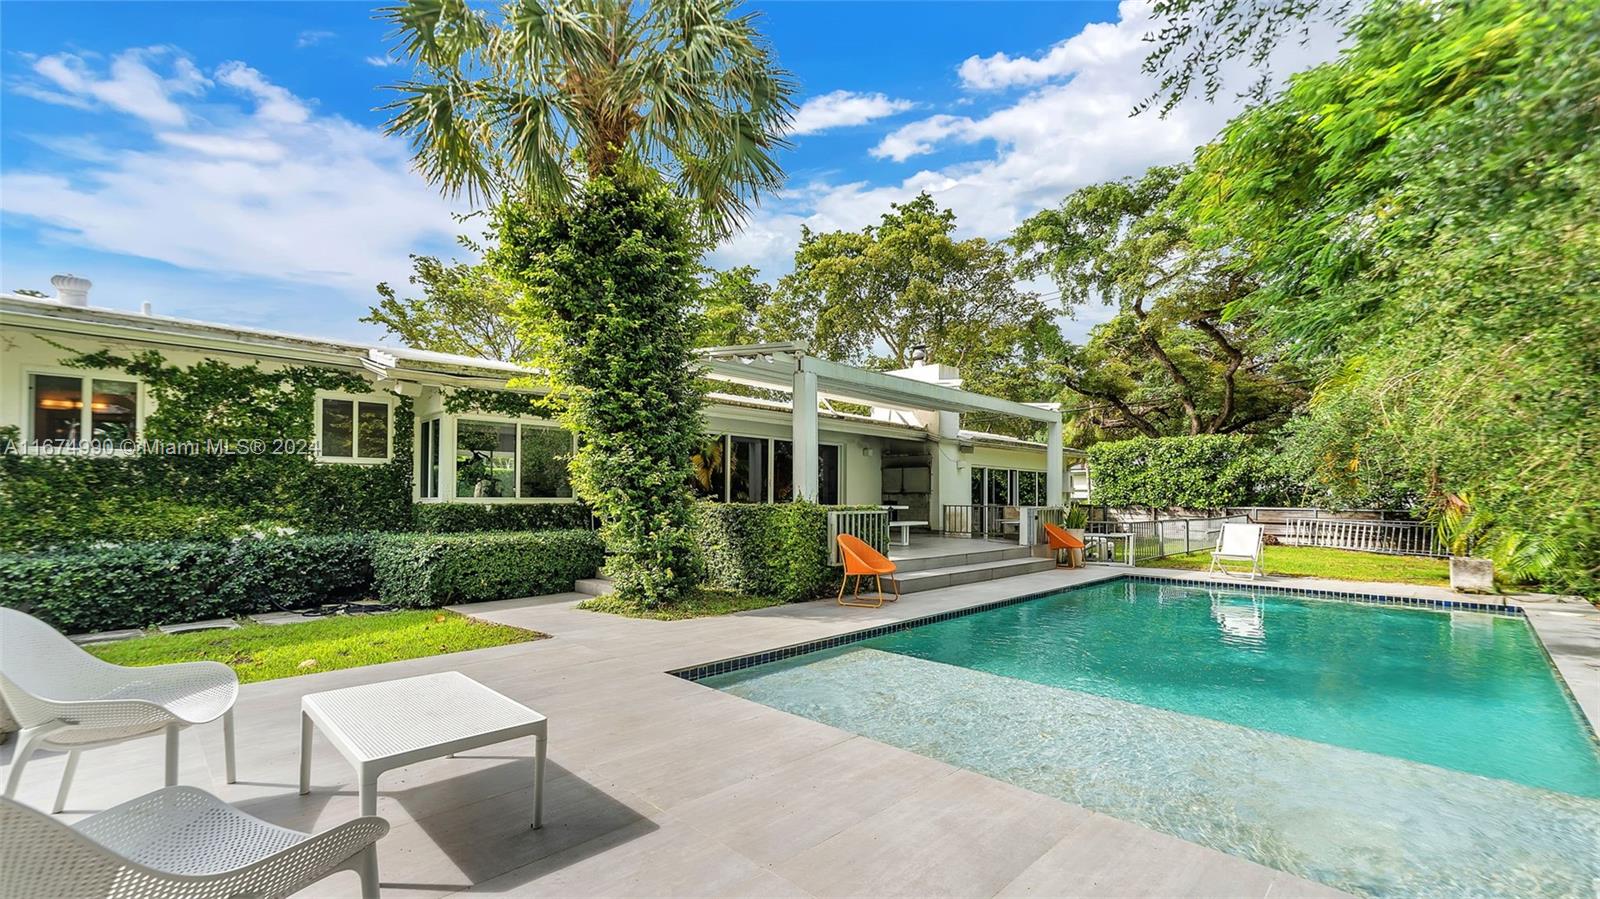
(1077, 554)
(1469, 575)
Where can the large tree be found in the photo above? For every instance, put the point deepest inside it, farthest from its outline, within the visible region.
(465, 308)
(571, 116)
(1169, 361)
(873, 296)
(1421, 216)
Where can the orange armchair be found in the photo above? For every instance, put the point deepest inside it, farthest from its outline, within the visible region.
(1059, 539)
(862, 560)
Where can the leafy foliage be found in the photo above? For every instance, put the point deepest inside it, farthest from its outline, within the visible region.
(1209, 471)
(609, 277)
(504, 108)
(450, 518)
(1169, 362)
(766, 549)
(464, 309)
(731, 303)
(701, 602)
(144, 584)
(427, 570)
(1421, 214)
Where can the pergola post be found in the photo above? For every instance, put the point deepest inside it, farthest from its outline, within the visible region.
(807, 476)
(1052, 463)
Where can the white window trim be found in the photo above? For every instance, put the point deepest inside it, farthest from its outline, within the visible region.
(355, 427)
(85, 376)
(421, 472)
(447, 455)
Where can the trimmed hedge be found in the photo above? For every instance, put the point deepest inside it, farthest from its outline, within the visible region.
(425, 570)
(451, 518)
(766, 549)
(145, 584)
(1207, 471)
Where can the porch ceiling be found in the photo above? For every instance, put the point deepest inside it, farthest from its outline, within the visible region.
(773, 366)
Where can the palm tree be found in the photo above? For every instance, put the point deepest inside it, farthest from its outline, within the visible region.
(562, 89)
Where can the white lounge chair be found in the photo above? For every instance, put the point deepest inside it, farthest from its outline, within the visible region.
(1238, 543)
(67, 700)
(176, 842)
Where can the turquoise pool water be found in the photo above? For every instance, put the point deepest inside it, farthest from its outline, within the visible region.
(1384, 751)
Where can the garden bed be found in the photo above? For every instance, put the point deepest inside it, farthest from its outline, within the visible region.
(700, 603)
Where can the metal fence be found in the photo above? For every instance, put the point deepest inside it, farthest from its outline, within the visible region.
(981, 522)
(1168, 537)
(871, 526)
(1399, 538)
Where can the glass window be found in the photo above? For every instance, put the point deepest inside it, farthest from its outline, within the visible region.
(980, 477)
(338, 428)
(114, 410)
(428, 449)
(708, 473)
(545, 454)
(486, 459)
(748, 480)
(57, 409)
(828, 475)
(1028, 488)
(999, 487)
(782, 471)
(372, 430)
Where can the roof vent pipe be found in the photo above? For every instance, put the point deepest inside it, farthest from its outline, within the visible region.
(144, 308)
(71, 290)
(919, 354)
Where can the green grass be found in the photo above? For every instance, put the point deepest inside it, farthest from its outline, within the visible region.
(702, 603)
(264, 652)
(1339, 564)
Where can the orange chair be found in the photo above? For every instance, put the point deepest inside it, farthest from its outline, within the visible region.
(861, 560)
(1059, 540)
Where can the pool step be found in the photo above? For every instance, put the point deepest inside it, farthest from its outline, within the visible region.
(952, 575)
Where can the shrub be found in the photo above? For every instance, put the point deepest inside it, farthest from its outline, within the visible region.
(778, 550)
(422, 570)
(143, 584)
(450, 518)
(1207, 471)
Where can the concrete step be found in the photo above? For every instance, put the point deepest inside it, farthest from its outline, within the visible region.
(934, 578)
(594, 586)
(999, 553)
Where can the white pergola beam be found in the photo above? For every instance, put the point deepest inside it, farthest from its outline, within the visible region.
(807, 470)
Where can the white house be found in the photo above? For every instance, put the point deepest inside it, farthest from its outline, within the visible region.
(908, 449)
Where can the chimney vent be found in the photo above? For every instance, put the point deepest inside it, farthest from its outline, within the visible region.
(145, 308)
(919, 354)
(71, 290)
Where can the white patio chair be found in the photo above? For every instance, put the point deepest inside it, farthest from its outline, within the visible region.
(66, 699)
(1238, 543)
(176, 843)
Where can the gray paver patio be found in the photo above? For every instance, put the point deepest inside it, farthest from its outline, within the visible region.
(658, 786)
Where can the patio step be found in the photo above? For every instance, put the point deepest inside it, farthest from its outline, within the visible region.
(952, 575)
(995, 552)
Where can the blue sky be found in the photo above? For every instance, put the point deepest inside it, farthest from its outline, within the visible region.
(225, 161)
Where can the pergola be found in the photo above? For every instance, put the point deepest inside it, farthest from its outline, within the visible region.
(789, 368)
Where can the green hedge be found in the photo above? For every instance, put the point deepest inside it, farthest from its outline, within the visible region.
(424, 570)
(144, 584)
(1208, 471)
(450, 518)
(767, 549)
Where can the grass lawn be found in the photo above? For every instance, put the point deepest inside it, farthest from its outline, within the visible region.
(701, 603)
(1340, 564)
(265, 652)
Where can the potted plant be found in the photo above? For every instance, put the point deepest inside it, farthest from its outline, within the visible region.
(1459, 531)
(1075, 521)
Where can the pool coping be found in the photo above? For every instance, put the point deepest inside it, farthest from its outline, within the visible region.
(1567, 633)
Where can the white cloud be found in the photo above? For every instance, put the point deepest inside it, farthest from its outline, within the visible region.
(273, 103)
(1073, 129)
(382, 62)
(130, 85)
(311, 38)
(246, 181)
(839, 109)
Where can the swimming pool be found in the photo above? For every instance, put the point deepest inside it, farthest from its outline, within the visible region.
(1384, 751)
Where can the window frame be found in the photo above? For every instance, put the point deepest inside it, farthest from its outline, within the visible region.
(375, 397)
(436, 421)
(447, 456)
(86, 379)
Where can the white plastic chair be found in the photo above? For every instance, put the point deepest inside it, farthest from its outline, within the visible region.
(1238, 543)
(176, 842)
(66, 699)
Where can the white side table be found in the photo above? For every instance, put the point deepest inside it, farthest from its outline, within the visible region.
(391, 724)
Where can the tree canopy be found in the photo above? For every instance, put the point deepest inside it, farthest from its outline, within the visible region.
(1168, 362)
(526, 104)
(465, 308)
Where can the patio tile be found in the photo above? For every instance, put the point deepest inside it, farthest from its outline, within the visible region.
(937, 842)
